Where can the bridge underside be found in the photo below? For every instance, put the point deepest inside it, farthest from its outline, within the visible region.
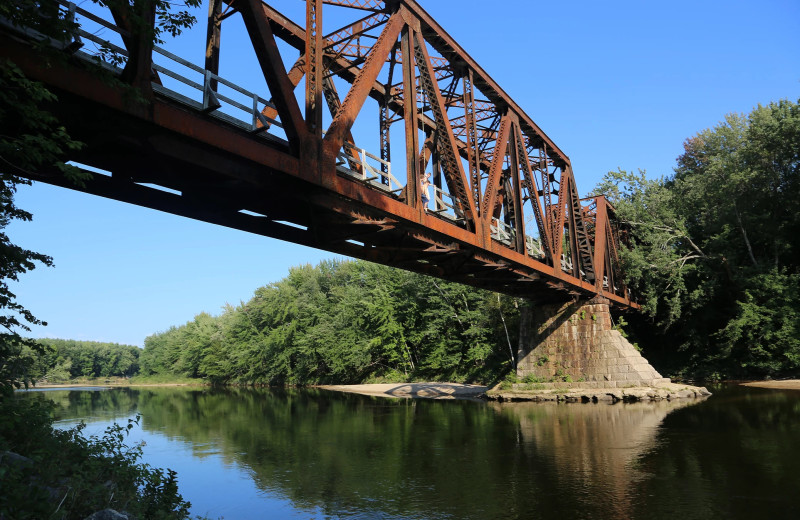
(216, 186)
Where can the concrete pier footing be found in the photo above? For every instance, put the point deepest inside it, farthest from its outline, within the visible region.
(574, 343)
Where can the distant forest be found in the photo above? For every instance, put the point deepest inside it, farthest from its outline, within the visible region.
(61, 360)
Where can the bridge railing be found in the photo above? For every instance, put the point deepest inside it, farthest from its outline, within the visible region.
(444, 204)
(502, 232)
(505, 234)
(534, 247)
(375, 172)
(605, 285)
(236, 105)
(222, 106)
(366, 167)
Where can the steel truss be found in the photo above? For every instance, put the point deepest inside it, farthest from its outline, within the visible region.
(506, 213)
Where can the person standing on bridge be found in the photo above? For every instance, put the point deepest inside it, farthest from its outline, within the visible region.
(425, 184)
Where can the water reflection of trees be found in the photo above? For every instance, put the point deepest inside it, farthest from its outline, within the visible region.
(343, 452)
(734, 457)
(86, 404)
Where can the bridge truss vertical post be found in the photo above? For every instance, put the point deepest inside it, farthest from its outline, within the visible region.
(473, 154)
(567, 192)
(384, 125)
(533, 195)
(410, 116)
(516, 188)
(579, 237)
(600, 241)
(384, 120)
(213, 35)
(138, 70)
(551, 219)
(314, 69)
(436, 168)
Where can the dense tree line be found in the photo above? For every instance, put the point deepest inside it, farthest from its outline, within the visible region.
(344, 322)
(715, 249)
(61, 360)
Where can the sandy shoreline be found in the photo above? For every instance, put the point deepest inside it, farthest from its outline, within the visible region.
(462, 391)
(786, 384)
(413, 390)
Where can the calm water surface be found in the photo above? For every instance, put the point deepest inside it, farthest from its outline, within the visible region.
(249, 454)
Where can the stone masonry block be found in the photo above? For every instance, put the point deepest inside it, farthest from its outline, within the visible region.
(588, 348)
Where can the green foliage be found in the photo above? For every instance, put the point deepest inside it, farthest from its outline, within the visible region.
(343, 322)
(661, 255)
(69, 475)
(764, 332)
(30, 139)
(714, 252)
(59, 360)
(530, 378)
(88, 359)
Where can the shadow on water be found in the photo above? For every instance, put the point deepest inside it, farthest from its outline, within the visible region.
(352, 456)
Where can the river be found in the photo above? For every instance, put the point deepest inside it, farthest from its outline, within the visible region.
(303, 454)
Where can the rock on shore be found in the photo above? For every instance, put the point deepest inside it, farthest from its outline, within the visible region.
(586, 392)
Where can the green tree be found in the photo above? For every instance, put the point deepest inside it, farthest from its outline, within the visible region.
(662, 260)
(30, 139)
(345, 322)
(714, 247)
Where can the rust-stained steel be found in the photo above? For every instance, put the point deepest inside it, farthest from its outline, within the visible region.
(314, 69)
(497, 177)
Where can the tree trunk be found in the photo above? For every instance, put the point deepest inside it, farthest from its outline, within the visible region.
(744, 234)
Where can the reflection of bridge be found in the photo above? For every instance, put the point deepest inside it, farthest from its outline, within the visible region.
(505, 212)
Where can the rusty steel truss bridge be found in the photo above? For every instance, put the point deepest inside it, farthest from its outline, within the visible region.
(329, 147)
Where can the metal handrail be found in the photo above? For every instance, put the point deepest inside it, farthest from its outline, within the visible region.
(368, 173)
(501, 231)
(442, 206)
(212, 100)
(505, 234)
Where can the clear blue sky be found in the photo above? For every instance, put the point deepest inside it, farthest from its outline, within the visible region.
(614, 84)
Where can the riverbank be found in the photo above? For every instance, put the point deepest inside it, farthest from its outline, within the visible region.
(523, 392)
(118, 382)
(588, 392)
(434, 390)
(413, 390)
(786, 384)
(114, 385)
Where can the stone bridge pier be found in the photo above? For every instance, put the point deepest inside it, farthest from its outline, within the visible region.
(575, 342)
